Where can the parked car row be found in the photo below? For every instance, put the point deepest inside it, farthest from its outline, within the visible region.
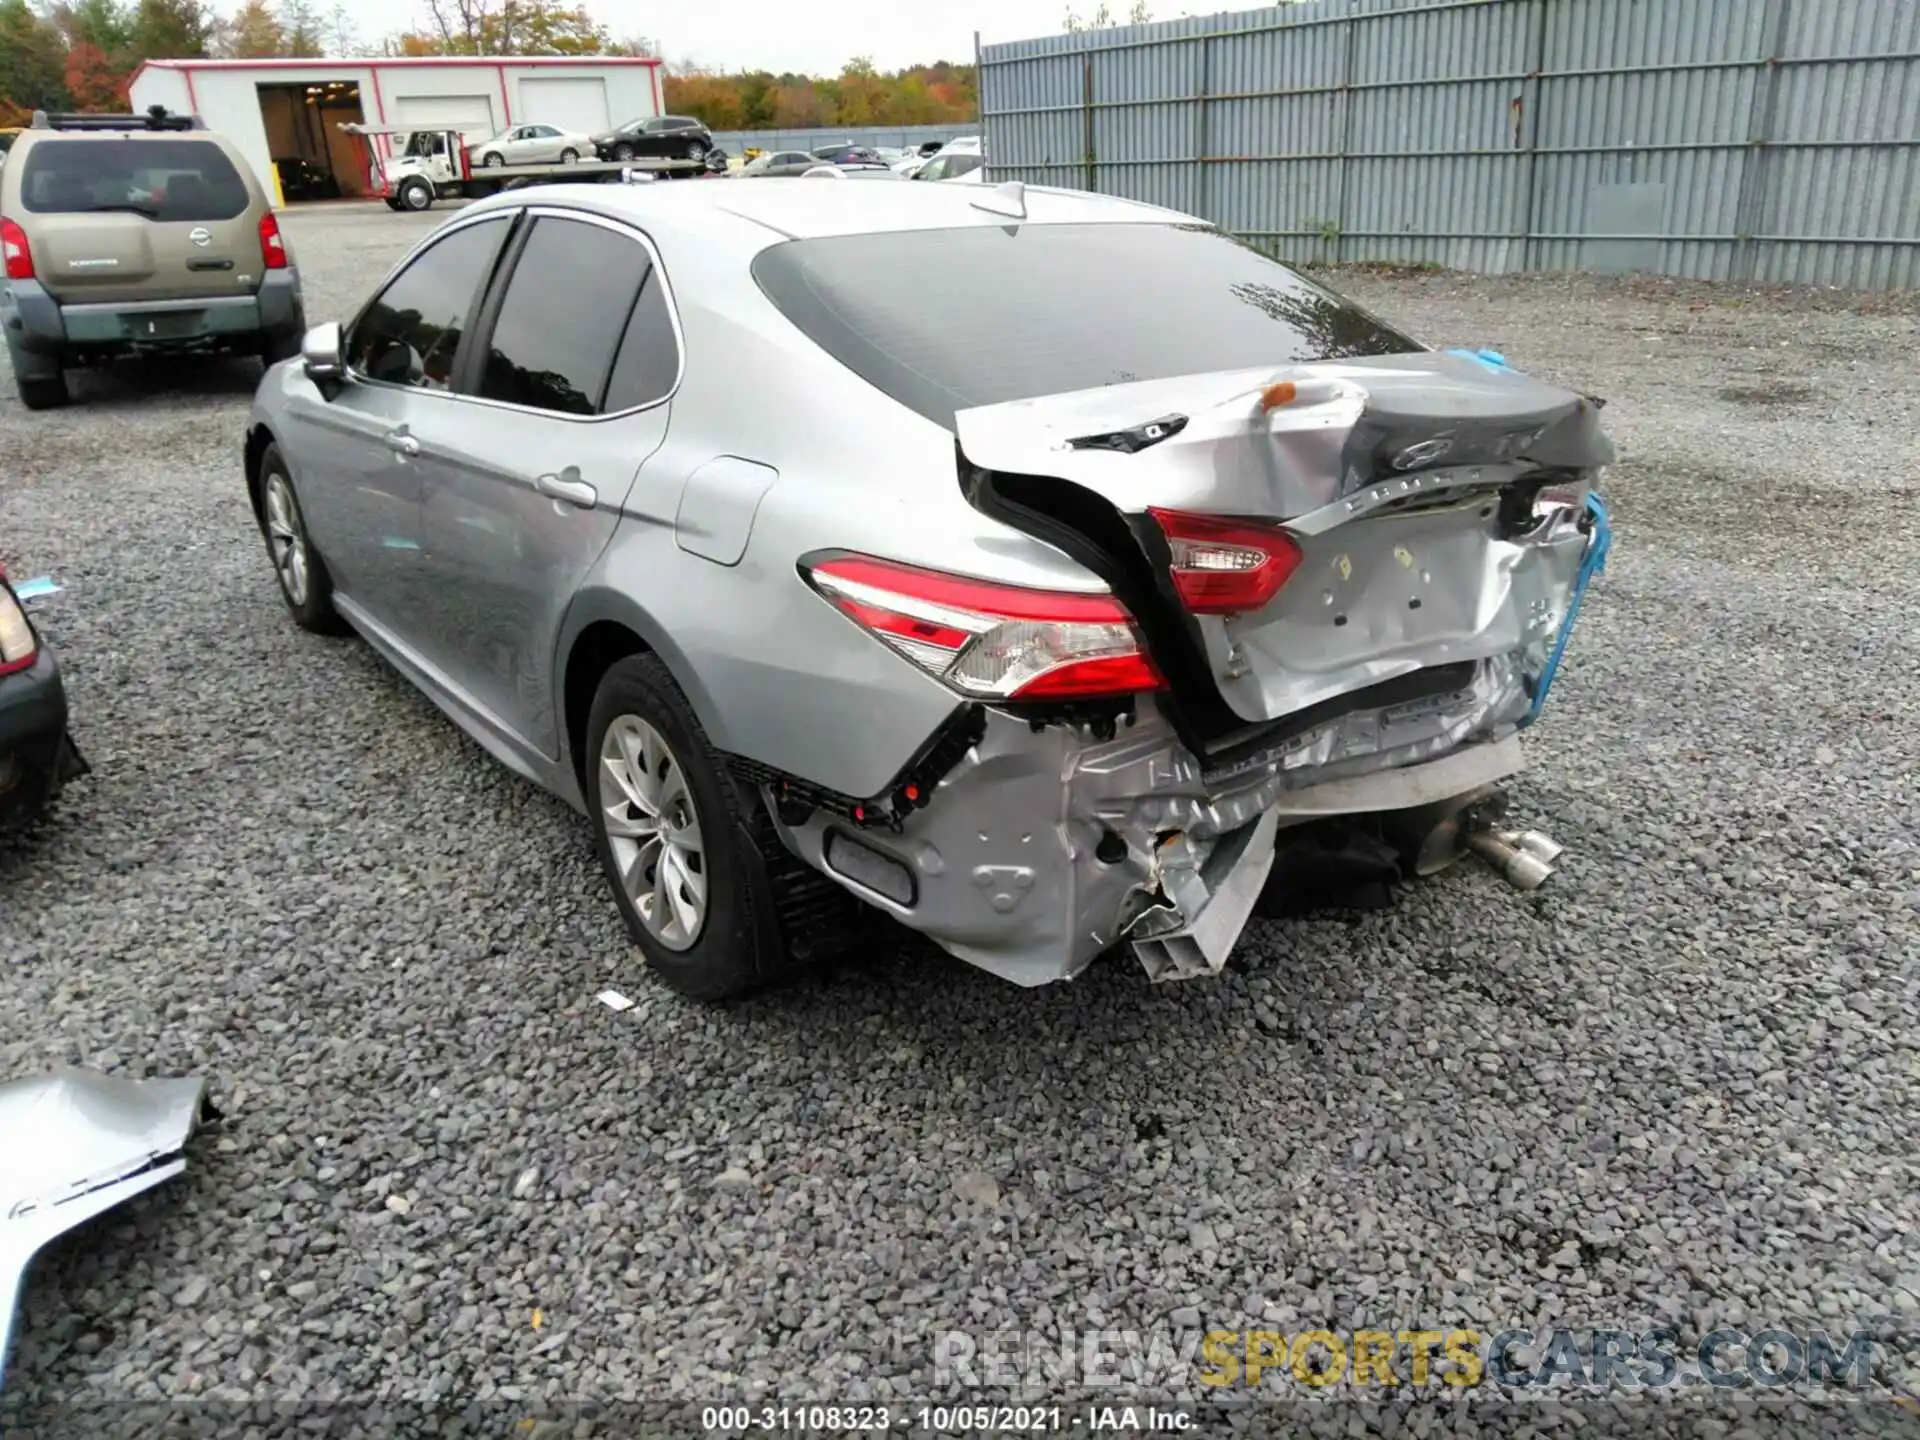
(961, 159)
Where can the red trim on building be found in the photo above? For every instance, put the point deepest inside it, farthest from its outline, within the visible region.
(193, 100)
(659, 104)
(505, 99)
(379, 105)
(405, 62)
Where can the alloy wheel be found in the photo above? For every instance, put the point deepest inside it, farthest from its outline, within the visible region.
(286, 540)
(653, 826)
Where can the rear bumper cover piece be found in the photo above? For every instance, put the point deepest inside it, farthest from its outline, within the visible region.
(38, 324)
(1041, 850)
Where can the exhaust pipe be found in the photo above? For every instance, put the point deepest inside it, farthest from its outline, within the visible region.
(1524, 860)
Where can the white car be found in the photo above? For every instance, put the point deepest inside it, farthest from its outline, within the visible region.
(962, 161)
(532, 145)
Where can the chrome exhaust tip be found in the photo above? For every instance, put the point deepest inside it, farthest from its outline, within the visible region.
(1542, 847)
(1520, 867)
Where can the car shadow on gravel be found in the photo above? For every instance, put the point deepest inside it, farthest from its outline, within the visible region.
(123, 384)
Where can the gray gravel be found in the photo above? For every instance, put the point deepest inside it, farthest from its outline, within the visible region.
(1677, 1085)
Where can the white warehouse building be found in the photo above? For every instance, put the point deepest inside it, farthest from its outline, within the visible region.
(285, 115)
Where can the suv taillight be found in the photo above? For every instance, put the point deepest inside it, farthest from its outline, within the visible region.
(991, 641)
(273, 250)
(19, 254)
(1222, 566)
(17, 644)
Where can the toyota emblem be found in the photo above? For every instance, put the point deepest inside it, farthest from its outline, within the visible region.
(200, 236)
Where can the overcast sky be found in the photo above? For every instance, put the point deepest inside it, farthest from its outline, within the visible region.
(817, 39)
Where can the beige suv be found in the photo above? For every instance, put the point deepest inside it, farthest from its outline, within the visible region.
(124, 234)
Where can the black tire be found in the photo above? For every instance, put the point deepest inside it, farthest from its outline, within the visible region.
(739, 946)
(697, 151)
(569, 156)
(275, 348)
(311, 608)
(415, 194)
(48, 392)
(392, 204)
(623, 152)
(492, 159)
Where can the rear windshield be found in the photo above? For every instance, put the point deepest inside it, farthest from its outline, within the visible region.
(161, 179)
(943, 320)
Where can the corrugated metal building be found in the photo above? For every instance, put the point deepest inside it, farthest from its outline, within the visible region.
(293, 109)
(1774, 140)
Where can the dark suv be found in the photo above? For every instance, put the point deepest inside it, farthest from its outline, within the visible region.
(660, 137)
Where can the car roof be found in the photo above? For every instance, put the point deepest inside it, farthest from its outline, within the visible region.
(809, 209)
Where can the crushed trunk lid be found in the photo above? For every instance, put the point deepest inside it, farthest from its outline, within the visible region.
(1434, 506)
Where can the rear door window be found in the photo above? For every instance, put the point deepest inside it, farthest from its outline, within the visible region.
(411, 332)
(945, 320)
(648, 363)
(566, 308)
(170, 180)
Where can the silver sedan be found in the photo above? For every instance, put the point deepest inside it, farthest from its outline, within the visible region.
(1042, 570)
(533, 145)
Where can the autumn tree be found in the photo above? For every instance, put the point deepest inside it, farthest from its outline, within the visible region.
(93, 82)
(107, 25)
(1102, 17)
(252, 33)
(32, 59)
(171, 30)
(301, 29)
(539, 27)
(706, 97)
(508, 27)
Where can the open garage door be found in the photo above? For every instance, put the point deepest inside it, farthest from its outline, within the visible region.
(577, 104)
(471, 114)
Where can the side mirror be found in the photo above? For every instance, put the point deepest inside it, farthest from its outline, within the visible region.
(320, 354)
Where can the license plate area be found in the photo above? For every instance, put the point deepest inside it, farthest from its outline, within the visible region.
(165, 325)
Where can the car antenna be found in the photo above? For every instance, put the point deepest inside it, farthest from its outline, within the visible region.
(1008, 199)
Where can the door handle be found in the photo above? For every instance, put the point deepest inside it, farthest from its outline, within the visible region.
(569, 489)
(402, 444)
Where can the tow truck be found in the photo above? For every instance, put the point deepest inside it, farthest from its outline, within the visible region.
(410, 167)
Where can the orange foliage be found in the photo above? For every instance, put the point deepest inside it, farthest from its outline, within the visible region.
(93, 82)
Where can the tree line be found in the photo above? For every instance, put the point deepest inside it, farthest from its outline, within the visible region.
(82, 55)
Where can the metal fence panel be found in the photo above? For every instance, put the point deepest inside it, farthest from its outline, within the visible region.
(1769, 140)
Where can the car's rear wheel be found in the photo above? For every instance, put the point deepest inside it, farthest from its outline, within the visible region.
(275, 348)
(697, 151)
(569, 156)
(304, 582)
(38, 379)
(675, 839)
(46, 393)
(416, 195)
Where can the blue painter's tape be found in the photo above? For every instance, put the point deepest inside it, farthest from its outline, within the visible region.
(36, 589)
(1492, 359)
(1594, 562)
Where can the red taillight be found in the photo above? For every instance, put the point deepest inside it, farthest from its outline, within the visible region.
(273, 250)
(19, 254)
(17, 644)
(990, 641)
(1223, 566)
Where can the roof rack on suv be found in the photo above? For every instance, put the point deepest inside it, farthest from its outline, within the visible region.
(157, 117)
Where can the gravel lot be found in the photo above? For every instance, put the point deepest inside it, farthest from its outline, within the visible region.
(1678, 1085)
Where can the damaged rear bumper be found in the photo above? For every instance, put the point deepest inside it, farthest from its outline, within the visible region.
(1042, 849)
